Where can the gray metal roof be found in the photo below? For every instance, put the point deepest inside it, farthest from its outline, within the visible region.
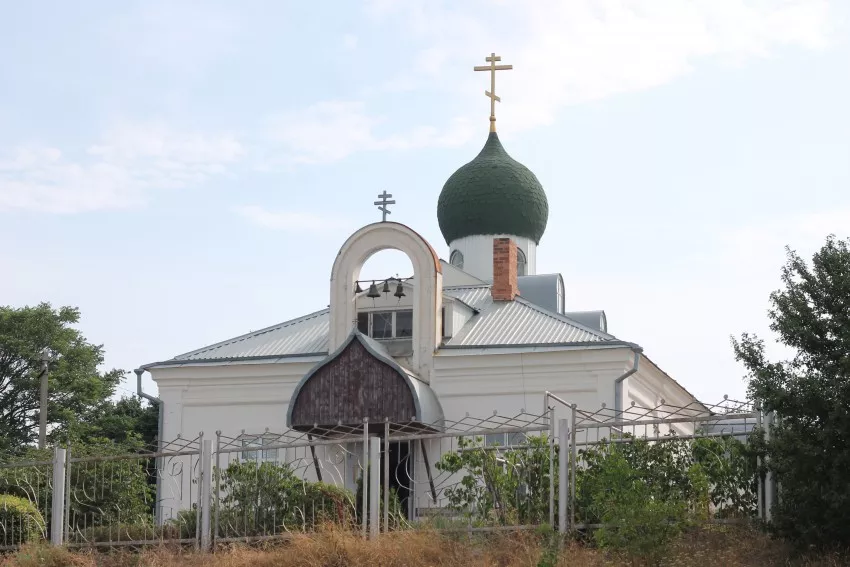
(474, 296)
(543, 290)
(593, 319)
(520, 322)
(305, 335)
(503, 323)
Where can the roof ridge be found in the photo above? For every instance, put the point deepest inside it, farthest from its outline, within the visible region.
(563, 318)
(252, 334)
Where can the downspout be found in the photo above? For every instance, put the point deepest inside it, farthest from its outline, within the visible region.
(161, 416)
(618, 383)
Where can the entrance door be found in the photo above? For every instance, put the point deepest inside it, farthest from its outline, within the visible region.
(401, 468)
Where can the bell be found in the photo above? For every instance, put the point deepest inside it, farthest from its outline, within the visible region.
(373, 291)
(386, 286)
(358, 289)
(399, 291)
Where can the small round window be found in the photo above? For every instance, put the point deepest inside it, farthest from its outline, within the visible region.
(456, 259)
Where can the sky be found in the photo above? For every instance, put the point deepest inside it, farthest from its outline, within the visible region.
(185, 172)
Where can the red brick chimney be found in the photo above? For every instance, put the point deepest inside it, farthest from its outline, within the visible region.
(505, 287)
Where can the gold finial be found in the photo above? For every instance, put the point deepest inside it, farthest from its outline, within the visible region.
(491, 94)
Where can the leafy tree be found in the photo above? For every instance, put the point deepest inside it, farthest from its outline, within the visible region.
(76, 387)
(809, 448)
(128, 421)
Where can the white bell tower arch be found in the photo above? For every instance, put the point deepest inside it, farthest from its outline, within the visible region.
(427, 291)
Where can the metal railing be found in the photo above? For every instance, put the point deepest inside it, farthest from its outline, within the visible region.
(471, 474)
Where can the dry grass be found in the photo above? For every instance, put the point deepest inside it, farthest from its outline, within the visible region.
(332, 548)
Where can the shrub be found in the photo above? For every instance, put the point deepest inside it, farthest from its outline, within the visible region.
(20, 520)
(268, 498)
(506, 486)
(639, 519)
(101, 493)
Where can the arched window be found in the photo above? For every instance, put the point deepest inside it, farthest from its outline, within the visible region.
(521, 263)
(456, 259)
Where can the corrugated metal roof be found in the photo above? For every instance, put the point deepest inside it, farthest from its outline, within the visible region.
(500, 323)
(476, 297)
(305, 335)
(520, 322)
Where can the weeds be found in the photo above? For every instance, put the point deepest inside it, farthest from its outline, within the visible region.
(333, 547)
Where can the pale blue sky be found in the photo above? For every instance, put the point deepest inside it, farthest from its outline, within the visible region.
(185, 172)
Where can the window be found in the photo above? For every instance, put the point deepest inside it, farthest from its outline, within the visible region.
(456, 259)
(382, 325)
(505, 439)
(521, 263)
(404, 324)
(264, 456)
(386, 324)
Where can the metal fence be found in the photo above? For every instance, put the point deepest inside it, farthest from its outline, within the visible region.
(712, 438)
(473, 474)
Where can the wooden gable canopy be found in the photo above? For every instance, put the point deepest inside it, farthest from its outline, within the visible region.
(358, 381)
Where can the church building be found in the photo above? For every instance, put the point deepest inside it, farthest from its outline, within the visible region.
(475, 333)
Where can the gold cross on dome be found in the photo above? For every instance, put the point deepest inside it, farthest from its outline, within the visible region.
(491, 94)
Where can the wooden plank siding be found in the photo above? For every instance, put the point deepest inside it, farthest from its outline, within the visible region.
(350, 387)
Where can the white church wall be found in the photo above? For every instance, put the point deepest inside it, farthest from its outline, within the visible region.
(230, 398)
(651, 387)
(509, 380)
(457, 314)
(478, 254)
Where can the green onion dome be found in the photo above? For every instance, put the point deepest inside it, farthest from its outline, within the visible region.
(492, 194)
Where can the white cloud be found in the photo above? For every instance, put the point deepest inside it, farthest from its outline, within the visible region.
(563, 53)
(116, 172)
(572, 52)
(332, 130)
(291, 221)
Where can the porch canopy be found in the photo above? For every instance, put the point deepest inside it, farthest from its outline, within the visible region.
(360, 381)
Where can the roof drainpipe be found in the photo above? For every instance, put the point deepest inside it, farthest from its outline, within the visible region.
(618, 383)
(161, 418)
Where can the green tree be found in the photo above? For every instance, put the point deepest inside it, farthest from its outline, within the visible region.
(129, 422)
(76, 387)
(809, 449)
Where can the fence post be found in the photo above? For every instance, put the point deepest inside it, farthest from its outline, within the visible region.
(374, 486)
(760, 426)
(386, 464)
(563, 477)
(573, 465)
(551, 412)
(205, 496)
(217, 472)
(769, 481)
(364, 478)
(57, 505)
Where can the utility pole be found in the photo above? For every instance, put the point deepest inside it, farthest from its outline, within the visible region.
(42, 406)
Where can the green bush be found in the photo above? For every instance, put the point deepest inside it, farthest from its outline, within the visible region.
(268, 498)
(509, 486)
(639, 518)
(20, 520)
(102, 493)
